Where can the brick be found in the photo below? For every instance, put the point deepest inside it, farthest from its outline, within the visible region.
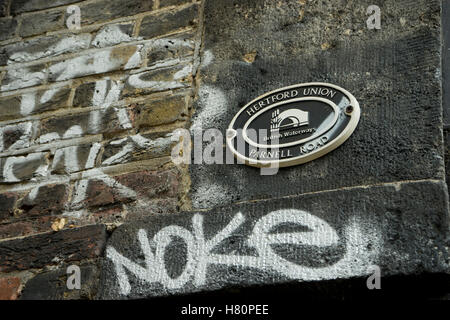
(152, 184)
(9, 288)
(158, 80)
(52, 285)
(107, 60)
(148, 185)
(46, 249)
(7, 205)
(41, 22)
(113, 34)
(71, 159)
(153, 26)
(8, 27)
(23, 168)
(77, 125)
(23, 77)
(137, 148)
(38, 102)
(99, 194)
(20, 6)
(16, 136)
(26, 227)
(43, 47)
(163, 111)
(83, 95)
(103, 10)
(175, 47)
(47, 200)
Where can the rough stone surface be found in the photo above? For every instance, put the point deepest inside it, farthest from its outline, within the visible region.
(153, 26)
(50, 248)
(328, 235)
(53, 285)
(8, 27)
(393, 73)
(446, 61)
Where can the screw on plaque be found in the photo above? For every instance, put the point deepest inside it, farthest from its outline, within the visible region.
(349, 110)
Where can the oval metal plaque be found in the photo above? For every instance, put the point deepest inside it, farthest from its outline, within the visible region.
(293, 125)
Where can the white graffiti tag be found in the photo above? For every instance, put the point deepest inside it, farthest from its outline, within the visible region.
(199, 250)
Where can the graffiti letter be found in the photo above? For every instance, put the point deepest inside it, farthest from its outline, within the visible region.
(374, 21)
(74, 280)
(74, 20)
(374, 281)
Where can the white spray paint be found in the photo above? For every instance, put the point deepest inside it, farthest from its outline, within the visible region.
(199, 250)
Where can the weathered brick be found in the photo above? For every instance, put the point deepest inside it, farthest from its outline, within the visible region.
(152, 184)
(99, 194)
(20, 6)
(47, 200)
(48, 46)
(171, 48)
(107, 60)
(26, 227)
(163, 111)
(7, 205)
(49, 248)
(158, 80)
(77, 125)
(23, 168)
(33, 103)
(52, 285)
(23, 77)
(113, 34)
(16, 136)
(72, 159)
(153, 26)
(103, 10)
(147, 185)
(9, 288)
(8, 27)
(83, 95)
(41, 22)
(136, 148)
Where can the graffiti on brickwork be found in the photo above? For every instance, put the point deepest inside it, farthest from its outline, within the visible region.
(106, 98)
